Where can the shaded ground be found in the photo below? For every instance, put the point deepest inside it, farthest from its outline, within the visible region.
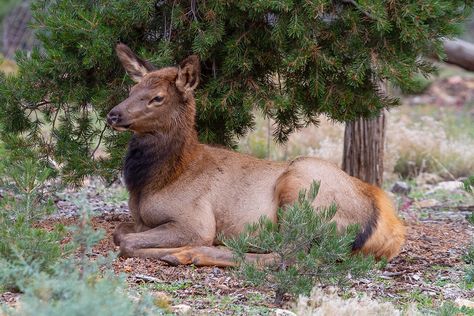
(430, 267)
(428, 271)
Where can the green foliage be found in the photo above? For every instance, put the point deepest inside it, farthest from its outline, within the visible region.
(469, 268)
(23, 204)
(292, 59)
(78, 285)
(66, 293)
(470, 218)
(469, 256)
(419, 85)
(451, 309)
(469, 184)
(307, 246)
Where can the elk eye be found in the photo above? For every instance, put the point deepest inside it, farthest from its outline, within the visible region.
(156, 99)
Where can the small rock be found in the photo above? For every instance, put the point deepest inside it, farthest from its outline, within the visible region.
(181, 309)
(450, 186)
(283, 312)
(401, 187)
(463, 302)
(145, 278)
(426, 203)
(454, 80)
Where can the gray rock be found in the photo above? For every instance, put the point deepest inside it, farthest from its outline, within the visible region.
(181, 309)
(450, 186)
(401, 187)
(283, 312)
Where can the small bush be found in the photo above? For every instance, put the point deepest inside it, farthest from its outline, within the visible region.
(308, 248)
(469, 269)
(67, 293)
(469, 184)
(450, 309)
(78, 285)
(30, 257)
(23, 204)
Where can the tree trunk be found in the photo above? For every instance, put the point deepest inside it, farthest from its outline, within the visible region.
(363, 149)
(460, 53)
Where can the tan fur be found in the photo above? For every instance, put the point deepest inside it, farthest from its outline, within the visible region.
(199, 192)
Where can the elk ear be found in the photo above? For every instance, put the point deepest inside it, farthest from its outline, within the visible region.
(189, 71)
(134, 65)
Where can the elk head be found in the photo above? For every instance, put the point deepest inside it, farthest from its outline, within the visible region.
(161, 99)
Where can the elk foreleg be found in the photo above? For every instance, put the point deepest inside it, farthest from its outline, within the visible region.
(202, 256)
(168, 235)
(176, 245)
(122, 230)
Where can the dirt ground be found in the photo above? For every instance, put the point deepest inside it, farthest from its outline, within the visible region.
(428, 271)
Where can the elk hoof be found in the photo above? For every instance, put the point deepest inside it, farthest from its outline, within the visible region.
(171, 260)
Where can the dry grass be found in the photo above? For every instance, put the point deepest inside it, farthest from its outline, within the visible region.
(419, 139)
(7, 66)
(329, 303)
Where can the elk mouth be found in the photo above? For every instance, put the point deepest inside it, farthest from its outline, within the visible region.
(121, 128)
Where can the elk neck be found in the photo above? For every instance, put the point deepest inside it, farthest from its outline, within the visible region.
(156, 159)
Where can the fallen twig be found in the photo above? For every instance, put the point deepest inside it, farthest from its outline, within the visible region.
(146, 278)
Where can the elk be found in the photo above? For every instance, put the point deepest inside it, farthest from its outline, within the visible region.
(183, 194)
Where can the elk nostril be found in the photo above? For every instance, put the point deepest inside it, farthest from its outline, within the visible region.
(113, 117)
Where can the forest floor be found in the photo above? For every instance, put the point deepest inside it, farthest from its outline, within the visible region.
(428, 271)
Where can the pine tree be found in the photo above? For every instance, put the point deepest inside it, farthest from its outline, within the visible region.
(306, 245)
(293, 60)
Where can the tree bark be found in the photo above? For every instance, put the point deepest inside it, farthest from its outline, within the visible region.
(364, 148)
(460, 53)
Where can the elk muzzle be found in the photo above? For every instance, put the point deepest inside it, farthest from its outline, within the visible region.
(116, 121)
(114, 118)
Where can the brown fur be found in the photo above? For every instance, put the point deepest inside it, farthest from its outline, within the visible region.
(183, 193)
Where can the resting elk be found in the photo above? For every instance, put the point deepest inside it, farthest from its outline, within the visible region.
(183, 193)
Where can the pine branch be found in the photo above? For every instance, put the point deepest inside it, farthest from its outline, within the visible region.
(98, 142)
(355, 4)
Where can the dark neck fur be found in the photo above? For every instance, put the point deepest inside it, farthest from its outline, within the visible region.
(154, 159)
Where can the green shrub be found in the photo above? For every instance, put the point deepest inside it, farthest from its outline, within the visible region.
(469, 184)
(30, 257)
(71, 291)
(450, 309)
(78, 285)
(307, 245)
(23, 204)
